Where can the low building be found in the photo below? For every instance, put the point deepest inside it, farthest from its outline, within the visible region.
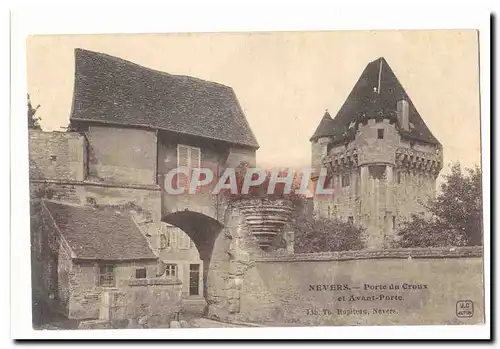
(84, 251)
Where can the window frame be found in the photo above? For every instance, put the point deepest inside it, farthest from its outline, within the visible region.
(380, 133)
(142, 269)
(168, 270)
(398, 177)
(189, 166)
(107, 275)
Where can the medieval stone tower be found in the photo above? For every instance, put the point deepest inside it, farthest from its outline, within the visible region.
(382, 160)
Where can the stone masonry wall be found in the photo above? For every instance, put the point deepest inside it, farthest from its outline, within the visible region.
(378, 202)
(122, 155)
(58, 155)
(297, 289)
(232, 257)
(150, 303)
(85, 293)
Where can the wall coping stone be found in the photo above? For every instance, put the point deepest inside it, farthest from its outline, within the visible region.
(400, 253)
(152, 187)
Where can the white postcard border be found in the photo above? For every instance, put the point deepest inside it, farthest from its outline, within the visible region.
(95, 17)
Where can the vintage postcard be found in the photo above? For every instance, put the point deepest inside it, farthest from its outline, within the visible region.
(255, 179)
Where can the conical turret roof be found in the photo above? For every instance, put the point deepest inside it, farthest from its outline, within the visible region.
(325, 127)
(376, 93)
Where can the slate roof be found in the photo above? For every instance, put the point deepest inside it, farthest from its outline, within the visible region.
(325, 127)
(112, 90)
(363, 102)
(99, 234)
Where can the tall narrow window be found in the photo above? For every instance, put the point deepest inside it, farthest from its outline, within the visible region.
(183, 240)
(350, 220)
(190, 158)
(107, 275)
(380, 133)
(398, 177)
(164, 240)
(393, 222)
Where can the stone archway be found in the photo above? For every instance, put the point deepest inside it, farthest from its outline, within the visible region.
(226, 249)
(203, 231)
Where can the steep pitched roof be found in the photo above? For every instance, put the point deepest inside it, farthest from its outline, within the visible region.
(99, 234)
(377, 92)
(325, 127)
(115, 91)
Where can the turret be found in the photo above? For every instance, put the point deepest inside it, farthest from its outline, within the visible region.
(382, 157)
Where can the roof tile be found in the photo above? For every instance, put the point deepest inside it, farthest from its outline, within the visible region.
(377, 91)
(115, 91)
(99, 234)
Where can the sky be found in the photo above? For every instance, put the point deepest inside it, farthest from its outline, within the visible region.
(285, 81)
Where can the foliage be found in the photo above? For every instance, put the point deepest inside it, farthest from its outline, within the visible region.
(456, 214)
(323, 235)
(33, 121)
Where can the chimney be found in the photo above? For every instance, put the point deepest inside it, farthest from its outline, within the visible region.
(404, 114)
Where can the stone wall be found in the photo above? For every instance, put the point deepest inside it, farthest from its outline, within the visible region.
(122, 155)
(44, 264)
(233, 254)
(390, 179)
(148, 303)
(58, 155)
(373, 150)
(215, 156)
(329, 288)
(85, 293)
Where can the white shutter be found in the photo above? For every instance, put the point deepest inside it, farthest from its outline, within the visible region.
(182, 161)
(183, 240)
(182, 155)
(172, 232)
(195, 158)
(194, 161)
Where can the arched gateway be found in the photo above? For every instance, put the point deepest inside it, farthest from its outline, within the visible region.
(202, 230)
(226, 248)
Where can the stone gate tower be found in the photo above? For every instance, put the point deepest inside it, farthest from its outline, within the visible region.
(382, 160)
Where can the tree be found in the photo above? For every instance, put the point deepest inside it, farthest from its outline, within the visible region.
(314, 234)
(456, 213)
(33, 121)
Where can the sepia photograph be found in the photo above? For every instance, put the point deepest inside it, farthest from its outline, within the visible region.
(255, 179)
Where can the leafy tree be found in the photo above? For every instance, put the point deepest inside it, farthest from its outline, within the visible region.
(456, 214)
(33, 121)
(314, 234)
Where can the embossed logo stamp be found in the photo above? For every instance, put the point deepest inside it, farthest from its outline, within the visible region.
(465, 308)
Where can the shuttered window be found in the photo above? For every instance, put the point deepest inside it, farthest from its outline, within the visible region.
(183, 240)
(189, 157)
